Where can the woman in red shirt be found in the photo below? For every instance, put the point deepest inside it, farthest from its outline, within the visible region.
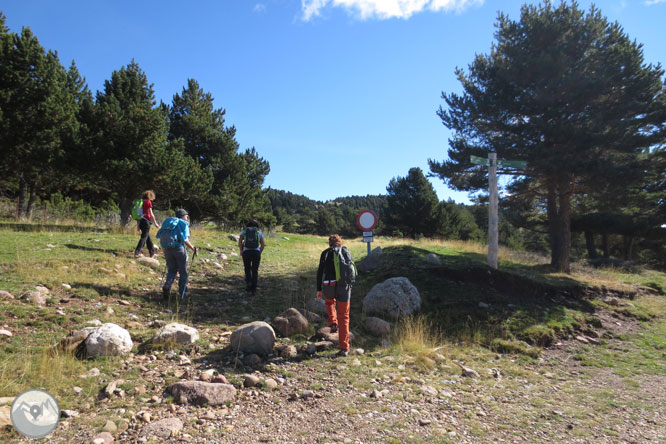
(144, 225)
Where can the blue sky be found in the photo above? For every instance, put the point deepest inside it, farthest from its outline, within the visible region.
(340, 96)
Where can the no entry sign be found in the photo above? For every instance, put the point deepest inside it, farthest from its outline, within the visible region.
(366, 220)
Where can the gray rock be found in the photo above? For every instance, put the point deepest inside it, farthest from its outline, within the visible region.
(252, 359)
(291, 322)
(256, 337)
(395, 298)
(178, 333)
(164, 428)
(109, 340)
(6, 295)
(234, 237)
(371, 261)
(433, 259)
(377, 326)
(149, 262)
(35, 297)
(317, 306)
(309, 315)
(199, 393)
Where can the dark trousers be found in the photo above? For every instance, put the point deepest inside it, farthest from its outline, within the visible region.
(176, 261)
(251, 259)
(144, 226)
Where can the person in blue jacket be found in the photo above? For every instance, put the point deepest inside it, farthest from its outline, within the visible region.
(174, 236)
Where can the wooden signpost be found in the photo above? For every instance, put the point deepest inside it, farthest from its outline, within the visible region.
(493, 217)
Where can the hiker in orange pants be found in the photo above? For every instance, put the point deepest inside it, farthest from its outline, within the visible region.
(336, 293)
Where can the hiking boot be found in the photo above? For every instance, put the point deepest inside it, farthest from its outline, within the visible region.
(342, 353)
(165, 293)
(334, 328)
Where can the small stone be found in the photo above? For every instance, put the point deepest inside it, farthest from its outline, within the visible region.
(271, 383)
(103, 438)
(424, 422)
(110, 427)
(77, 390)
(252, 381)
(66, 286)
(69, 413)
(6, 333)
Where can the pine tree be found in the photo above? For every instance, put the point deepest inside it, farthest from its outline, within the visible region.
(569, 93)
(411, 204)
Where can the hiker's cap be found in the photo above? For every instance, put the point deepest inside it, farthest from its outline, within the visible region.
(180, 213)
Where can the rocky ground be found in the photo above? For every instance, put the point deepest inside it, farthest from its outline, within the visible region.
(383, 395)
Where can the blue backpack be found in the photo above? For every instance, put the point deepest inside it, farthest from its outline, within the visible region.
(169, 234)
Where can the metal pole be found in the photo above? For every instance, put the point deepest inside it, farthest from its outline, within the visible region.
(368, 248)
(493, 235)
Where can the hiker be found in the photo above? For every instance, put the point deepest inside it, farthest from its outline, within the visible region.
(251, 244)
(174, 236)
(336, 278)
(143, 225)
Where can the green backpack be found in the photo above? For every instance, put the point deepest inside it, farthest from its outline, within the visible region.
(137, 209)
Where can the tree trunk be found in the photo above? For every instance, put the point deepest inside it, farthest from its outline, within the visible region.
(31, 201)
(125, 211)
(553, 232)
(559, 221)
(591, 248)
(604, 245)
(23, 194)
(628, 248)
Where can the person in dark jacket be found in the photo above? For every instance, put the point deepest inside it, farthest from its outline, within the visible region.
(251, 244)
(337, 295)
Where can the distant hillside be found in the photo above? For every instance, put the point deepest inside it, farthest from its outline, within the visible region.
(300, 214)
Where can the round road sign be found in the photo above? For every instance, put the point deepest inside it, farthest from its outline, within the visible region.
(366, 220)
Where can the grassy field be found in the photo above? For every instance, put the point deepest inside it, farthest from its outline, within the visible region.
(517, 327)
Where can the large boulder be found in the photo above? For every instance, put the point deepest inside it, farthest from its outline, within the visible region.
(177, 333)
(108, 340)
(393, 298)
(371, 261)
(291, 322)
(256, 337)
(200, 393)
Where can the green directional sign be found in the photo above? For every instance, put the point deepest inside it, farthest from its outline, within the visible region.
(479, 160)
(513, 163)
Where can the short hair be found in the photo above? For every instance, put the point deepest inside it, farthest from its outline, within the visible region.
(253, 223)
(334, 240)
(148, 195)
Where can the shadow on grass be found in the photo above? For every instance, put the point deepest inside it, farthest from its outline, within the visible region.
(24, 226)
(100, 250)
(463, 300)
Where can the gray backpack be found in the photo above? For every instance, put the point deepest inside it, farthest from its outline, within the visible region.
(345, 269)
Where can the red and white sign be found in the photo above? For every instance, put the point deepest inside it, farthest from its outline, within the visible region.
(366, 220)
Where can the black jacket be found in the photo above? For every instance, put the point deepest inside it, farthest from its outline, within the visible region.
(326, 270)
